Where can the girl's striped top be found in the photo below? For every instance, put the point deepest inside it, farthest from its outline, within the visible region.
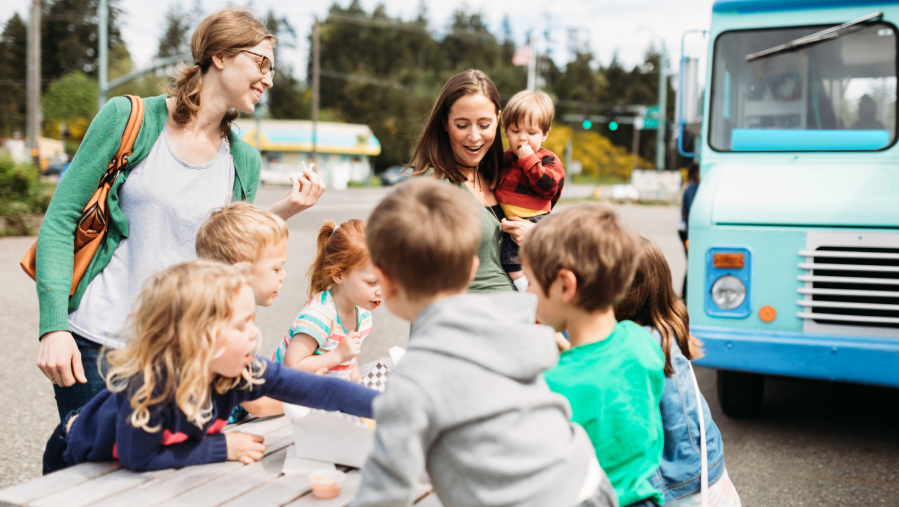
(320, 320)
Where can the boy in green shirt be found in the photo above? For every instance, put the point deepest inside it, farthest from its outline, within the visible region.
(580, 262)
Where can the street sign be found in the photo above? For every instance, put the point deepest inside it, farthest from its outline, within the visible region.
(651, 121)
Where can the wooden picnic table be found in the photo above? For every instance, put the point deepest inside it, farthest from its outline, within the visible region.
(228, 483)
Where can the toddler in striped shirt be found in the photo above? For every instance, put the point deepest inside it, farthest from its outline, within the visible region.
(327, 334)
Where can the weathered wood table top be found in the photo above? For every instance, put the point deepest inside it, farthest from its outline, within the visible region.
(228, 483)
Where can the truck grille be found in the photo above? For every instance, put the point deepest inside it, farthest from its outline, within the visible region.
(850, 286)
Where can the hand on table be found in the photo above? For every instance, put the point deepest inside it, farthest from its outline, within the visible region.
(518, 228)
(244, 447)
(59, 359)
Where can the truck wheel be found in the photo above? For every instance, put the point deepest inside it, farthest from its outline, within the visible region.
(740, 394)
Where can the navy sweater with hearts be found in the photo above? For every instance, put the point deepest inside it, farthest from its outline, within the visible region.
(103, 430)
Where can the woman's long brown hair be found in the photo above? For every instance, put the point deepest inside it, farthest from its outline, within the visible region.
(651, 301)
(434, 152)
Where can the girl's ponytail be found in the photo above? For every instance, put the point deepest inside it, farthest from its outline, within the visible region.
(319, 277)
(651, 301)
(341, 247)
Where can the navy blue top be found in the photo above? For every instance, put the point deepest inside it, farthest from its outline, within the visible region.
(687, 201)
(103, 430)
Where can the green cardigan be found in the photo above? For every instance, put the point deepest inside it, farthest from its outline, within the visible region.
(55, 244)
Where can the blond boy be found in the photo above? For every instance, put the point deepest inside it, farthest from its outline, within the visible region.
(468, 403)
(580, 262)
(531, 177)
(242, 233)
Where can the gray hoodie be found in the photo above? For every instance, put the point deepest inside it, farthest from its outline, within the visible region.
(468, 403)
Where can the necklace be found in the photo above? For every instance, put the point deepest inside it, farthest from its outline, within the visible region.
(479, 186)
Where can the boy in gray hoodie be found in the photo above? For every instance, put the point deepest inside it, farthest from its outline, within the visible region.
(468, 404)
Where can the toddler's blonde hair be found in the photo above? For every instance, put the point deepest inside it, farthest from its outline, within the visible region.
(173, 334)
(535, 108)
(239, 232)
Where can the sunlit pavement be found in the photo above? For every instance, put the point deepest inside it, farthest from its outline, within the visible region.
(816, 443)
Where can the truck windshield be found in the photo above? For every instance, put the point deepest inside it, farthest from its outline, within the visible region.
(836, 95)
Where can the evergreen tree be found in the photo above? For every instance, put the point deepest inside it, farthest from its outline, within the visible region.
(175, 39)
(13, 69)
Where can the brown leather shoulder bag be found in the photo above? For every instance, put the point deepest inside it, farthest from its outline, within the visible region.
(95, 217)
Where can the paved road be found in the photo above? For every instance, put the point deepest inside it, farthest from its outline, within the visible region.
(815, 444)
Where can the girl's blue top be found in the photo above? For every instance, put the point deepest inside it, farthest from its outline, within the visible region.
(103, 430)
(679, 473)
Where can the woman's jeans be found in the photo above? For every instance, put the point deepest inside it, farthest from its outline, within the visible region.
(77, 396)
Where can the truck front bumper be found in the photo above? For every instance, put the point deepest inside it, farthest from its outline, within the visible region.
(843, 358)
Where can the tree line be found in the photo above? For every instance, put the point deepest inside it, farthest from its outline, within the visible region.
(377, 70)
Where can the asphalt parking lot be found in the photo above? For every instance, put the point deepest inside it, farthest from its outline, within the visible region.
(816, 443)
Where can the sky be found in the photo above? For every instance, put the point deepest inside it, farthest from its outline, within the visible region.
(622, 27)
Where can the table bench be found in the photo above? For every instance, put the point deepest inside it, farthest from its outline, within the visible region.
(228, 483)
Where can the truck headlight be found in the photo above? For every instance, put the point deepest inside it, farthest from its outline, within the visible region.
(728, 292)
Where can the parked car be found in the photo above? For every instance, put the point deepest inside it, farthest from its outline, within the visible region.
(394, 174)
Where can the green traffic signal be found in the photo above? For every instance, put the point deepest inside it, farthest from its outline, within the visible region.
(587, 124)
(613, 125)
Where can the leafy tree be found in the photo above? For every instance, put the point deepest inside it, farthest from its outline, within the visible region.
(69, 38)
(13, 69)
(73, 100)
(175, 39)
(288, 99)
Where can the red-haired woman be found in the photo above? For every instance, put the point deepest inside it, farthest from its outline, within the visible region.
(186, 161)
(462, 144)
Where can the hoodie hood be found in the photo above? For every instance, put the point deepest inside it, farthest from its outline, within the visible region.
(494, 331)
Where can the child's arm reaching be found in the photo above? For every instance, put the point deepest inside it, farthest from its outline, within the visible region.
(313, 391)
(301, 352)
(402, 440)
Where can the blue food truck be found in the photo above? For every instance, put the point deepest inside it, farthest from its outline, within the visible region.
(794, 232)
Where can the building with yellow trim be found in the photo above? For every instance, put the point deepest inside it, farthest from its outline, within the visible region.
(344, 150)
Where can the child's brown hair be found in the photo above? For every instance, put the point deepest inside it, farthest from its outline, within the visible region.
(339, 247)
(239, 232)
(591, 242)
(425, 235)
(651, 301)
(535, 108)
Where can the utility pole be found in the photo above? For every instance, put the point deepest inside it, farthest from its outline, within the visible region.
(532, 64)
(316, 71)
(638, 126)
(34, 83)
(663, 105)
(103, 50)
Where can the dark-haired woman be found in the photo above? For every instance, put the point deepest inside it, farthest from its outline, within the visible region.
(185, 162)
(461, 144)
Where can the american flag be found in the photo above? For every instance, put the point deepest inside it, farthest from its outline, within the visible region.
(522, 56)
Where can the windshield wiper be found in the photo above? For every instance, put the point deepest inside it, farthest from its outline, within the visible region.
(823, 35)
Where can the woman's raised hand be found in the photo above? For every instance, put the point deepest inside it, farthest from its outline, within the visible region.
(305, 193)
(518, 228)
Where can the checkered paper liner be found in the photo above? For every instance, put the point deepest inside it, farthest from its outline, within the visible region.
(377, 378)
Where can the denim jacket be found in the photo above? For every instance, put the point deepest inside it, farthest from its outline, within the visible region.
(679, 473)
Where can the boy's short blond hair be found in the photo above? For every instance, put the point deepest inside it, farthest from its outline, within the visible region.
(424, 235)
(239, 232)
(591, 241)
(534, 108)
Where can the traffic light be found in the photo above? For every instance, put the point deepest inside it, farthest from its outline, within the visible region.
(587, 124)
(610, 117)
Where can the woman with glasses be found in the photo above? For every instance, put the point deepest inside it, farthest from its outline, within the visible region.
(186, 161)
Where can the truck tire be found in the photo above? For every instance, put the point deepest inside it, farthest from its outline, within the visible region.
(740, 394)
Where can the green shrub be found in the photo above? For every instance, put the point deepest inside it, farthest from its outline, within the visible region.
(21, 194)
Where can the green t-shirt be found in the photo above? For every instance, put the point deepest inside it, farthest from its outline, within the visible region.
(615, 387)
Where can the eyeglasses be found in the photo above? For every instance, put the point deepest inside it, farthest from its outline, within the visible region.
(266, 65)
